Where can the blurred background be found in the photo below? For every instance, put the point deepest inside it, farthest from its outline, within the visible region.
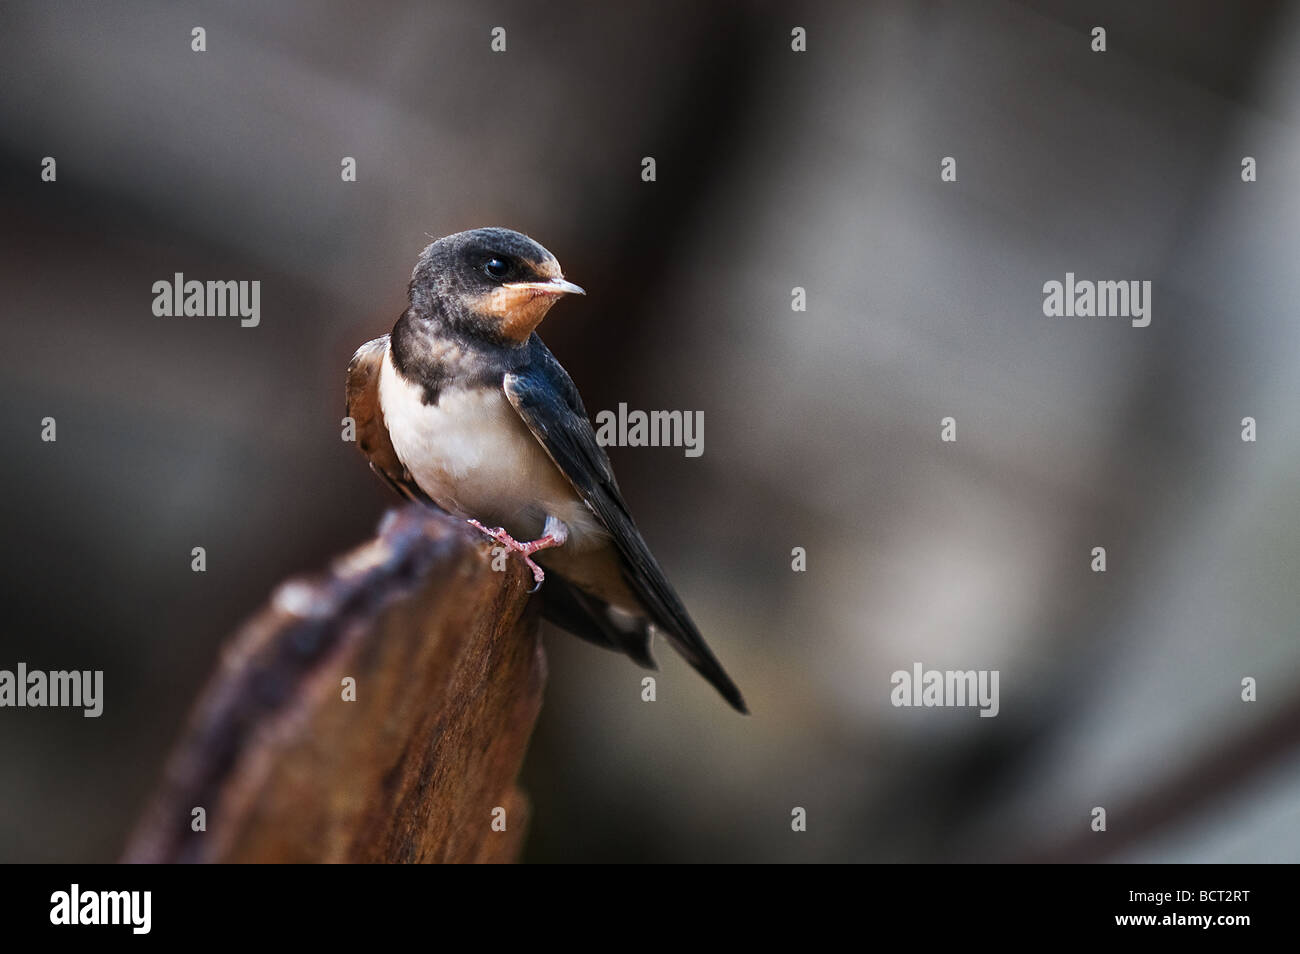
(775, 169)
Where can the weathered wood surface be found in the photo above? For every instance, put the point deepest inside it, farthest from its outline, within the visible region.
(449, 672)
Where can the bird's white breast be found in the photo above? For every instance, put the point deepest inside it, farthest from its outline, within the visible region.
(474, 456)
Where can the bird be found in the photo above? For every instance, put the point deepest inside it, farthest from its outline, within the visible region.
(464, 408)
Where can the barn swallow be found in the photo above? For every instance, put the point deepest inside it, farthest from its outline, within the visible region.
(463, 407)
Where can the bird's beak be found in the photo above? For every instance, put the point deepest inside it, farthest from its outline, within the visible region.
(556, 286)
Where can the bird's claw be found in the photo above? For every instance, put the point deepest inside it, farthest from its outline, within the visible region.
(526, 550)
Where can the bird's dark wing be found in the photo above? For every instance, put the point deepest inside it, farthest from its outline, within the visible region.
(372, 433)
(547, 400)
(588, 617)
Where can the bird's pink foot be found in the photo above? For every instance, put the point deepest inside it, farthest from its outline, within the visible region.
(554, 535)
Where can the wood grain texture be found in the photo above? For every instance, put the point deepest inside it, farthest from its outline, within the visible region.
(449, 673)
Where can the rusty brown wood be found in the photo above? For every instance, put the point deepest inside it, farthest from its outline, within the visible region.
(448, 671)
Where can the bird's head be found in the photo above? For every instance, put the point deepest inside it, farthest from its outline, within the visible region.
(492, 283)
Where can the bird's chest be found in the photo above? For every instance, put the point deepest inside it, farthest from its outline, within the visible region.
(471, 453)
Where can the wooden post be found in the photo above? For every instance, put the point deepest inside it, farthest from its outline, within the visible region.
(447, 671)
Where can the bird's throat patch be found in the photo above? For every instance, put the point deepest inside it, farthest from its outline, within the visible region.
(516, 311)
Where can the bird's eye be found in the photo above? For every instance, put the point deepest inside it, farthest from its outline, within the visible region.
(497, 267)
